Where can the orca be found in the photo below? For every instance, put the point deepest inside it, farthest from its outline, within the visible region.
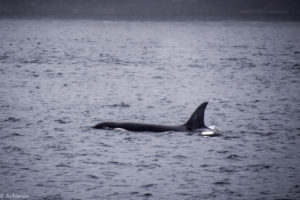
(195, 123)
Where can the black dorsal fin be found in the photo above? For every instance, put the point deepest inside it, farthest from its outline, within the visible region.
(196, 121)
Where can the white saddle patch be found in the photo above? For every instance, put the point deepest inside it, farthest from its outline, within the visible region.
(120, 129)
(208, 132)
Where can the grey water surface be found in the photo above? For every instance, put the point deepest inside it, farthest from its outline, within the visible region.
(60, 77)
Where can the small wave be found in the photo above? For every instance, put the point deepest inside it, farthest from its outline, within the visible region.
(182, 193)
(150, 166)
(11, 135)
(223, 182)
(258, 167)
(110, 174)
(4, 57)
(264, 133)
(157, 77)
(63, 165)
(148, 185)
(57, 147)
(223, 152)
(226, 170)
(92, 176)
(53, 197)
(118, 163)
(11, 119)
(205, 165)
(61, 121)
(231, 137)
(11, 149)
(147, 195)
(180, 157)
(233, 157)
(59, 129)
(104, 144)
(119, 105)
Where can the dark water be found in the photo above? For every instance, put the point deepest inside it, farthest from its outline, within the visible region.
(58, 78)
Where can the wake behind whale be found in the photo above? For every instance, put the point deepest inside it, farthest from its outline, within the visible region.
(195, 123)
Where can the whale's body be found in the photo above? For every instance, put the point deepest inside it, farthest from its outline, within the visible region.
(196, 122)
(130, 126)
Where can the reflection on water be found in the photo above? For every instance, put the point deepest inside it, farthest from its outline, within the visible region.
(58, 78)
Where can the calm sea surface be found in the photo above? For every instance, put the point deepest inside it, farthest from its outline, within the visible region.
(60, 77)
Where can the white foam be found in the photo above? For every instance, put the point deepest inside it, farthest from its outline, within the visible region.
(212, 127)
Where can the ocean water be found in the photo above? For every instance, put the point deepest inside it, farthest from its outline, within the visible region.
(60, 77)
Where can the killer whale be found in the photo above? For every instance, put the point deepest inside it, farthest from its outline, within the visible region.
(195, 122)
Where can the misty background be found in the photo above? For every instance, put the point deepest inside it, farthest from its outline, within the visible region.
(280, 9)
